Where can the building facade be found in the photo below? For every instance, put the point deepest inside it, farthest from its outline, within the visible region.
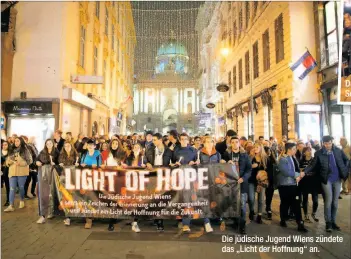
(170, 99)
(265, 97)
(336, 118)
(79, 58)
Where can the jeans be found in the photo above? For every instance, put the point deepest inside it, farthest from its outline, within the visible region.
(305, 202)
(243, 201)
(252, 191)
(269, 197)
(14, 180)
(331, 192)
(186, 221)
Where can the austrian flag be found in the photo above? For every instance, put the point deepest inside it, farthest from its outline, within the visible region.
(304, 65)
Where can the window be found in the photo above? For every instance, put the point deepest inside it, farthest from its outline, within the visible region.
(240, 74)
(240, 22)
(113, 38)
(247, 14)
(265, 50)
(190, 108)
(97, 9)
(331, 36)
(234, 79)
(254, 11)
(235, 32)
(82, 46)
(95, 60)
(279, 39)
(230, 83)
(106, 22)
(255, 60)
(190, 94)
(230, 38)
(247, 67)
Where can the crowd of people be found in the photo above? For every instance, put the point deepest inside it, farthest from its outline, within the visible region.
(294, 167)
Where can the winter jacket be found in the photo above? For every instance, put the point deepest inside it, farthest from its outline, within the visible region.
(244, 168)
(320, 164)
(18, 170)
(150, 156)
(221, 147)
(212, 158)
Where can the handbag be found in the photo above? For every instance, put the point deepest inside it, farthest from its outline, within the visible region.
(262, 180)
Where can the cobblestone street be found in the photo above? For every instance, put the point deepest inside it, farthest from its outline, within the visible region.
(23, 238)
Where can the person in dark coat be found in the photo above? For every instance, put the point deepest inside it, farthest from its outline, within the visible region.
(331, 166)
(221, 147)
(310, 184)
(240, 159)
(59, 141)
(271, 166)
(174, 140)
(185, 154)
(148, 140)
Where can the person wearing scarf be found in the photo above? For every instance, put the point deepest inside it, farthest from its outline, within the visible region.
(18, 161)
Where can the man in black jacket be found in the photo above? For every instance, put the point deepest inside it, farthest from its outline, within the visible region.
(159, 154)
(174, 141)
(221, 147)
(242, 162)
(184, 154)
(331, 165)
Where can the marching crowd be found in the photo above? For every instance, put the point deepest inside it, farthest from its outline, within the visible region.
(294, 167)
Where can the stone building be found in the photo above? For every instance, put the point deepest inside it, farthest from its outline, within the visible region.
(170, 99)
(78, 62)
(264, 39)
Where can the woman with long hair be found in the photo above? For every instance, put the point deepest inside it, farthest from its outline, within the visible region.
(309, 185)
(271, 167)
(5, 170)
(136, 157)
(259, 163)
(104, 151)
(46, 159)
(18, 160)
(68, 157)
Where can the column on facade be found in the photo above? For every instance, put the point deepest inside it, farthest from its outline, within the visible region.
(178, 93)
(193, 100)
(154, 98)
(159, 100)
(145, 100)
(141, 100)
(184, 101)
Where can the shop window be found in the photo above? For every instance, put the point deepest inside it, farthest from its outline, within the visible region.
(247, 67)
(279, 39)
(255, 60)
(265, 51)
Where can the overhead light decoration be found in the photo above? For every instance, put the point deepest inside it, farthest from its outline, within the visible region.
(210, 105)
(222, 88)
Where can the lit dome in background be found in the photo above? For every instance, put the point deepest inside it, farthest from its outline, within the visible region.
(172, 57)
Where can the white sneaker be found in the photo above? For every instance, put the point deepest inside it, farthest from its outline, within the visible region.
(135, 227)
(50, 216)
(67, 221)
(41, 220)
(21, 206)
(208, 228)
(9, 209)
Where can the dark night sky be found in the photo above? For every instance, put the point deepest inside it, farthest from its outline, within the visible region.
(154, 22)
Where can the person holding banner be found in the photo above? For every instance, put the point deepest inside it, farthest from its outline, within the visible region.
(18, 160)
(185, 154)
(91, 158)
(197, 143)
(68, 158)
(237, 156)
(136, 157)
(159, 155)
(208, 154)
(46, 159)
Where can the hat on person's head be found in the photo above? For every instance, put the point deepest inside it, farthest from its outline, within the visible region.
(90, 141)
(243, 138)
